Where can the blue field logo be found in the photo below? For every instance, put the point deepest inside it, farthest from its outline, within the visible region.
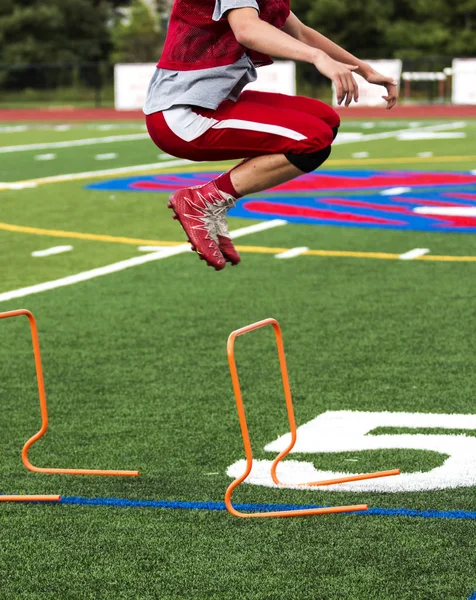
(441, 202)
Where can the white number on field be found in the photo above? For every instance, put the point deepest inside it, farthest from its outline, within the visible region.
(349, 431)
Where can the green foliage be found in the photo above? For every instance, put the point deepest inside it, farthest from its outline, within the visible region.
(137, 38)
(398, 28)
(54, 31)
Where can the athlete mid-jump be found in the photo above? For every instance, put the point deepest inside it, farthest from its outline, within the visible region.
(196, 108)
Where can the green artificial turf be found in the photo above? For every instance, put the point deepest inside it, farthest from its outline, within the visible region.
(137, 377)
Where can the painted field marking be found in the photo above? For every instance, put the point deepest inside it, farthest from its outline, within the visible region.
(151, 248)
(92, 237)
(401, 160)
(257, 228)
(360, 155)
(125, 264)
(132, 137)
(350, 137)
(394, 134)
(154, 167)
(425, 154)
(415, 253)
(245, 249)
(220, 507)
(92, 274)
(14, 128)
(45, 157)
(353, 431)
(447, 211)
(292, 253)
(396, 191)
(18, 185)
(423, 135)
(51, 251)
(107, 156)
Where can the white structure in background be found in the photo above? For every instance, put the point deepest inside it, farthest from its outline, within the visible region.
(130, 85)
(280, 78)
(132, 80)
(464, 81)
(371, 95)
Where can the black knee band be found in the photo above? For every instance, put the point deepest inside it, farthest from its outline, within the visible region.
(309, 162)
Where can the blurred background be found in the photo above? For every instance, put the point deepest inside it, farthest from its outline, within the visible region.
(63, 52)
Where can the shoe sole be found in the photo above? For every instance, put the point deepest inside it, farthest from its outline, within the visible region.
(176, 217)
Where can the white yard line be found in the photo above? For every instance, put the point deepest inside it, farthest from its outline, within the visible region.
(45, 157)
(415, 253)
(19, 185)
(257, 228)
(393, 134)
(51, 251)
(125, 264)
(107, 156)
(413, 136)
(110, 139)
(292, 253)
(151, 248)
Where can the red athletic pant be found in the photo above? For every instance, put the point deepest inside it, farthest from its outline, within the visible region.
(259, 123)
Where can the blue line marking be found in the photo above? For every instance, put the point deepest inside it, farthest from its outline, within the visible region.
(220, 507)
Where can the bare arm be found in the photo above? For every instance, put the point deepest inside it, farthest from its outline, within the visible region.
(295, 28)
(253, 33)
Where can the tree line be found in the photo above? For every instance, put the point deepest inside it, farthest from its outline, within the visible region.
(71, 31)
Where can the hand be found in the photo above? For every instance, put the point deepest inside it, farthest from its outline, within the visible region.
(341, 75)
(392, 91)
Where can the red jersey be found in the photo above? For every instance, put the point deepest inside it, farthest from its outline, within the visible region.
(195, 41)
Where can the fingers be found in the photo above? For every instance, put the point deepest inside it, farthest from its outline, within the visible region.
(346, 96)
(356, 88)
(346, 86)
(345, 89)
(350, 89)
(339, 90)
(392, 96)
(391, 101)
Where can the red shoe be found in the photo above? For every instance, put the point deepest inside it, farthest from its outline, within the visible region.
(221, 227)
(195, 208)
(224, 240)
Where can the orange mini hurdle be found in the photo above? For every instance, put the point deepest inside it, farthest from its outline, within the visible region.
(285, 452)
(44, 425)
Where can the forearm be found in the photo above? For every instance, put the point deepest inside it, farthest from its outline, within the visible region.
(319, 41)
(262, 37)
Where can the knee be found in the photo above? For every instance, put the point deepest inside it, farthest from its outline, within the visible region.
(321, 137)
(332, 119)
(309, 162)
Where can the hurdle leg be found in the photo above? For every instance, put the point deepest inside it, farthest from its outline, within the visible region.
(44, 412)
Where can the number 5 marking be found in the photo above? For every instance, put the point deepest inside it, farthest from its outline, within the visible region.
(349, 431)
